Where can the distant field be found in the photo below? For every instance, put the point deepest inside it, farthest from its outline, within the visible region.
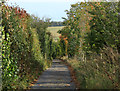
(54, 30)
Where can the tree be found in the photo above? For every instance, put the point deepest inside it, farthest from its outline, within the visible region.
(104, 26)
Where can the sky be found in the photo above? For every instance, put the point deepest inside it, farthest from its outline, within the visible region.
(54, 9)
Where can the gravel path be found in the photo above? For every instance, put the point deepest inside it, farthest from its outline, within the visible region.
(55, 77)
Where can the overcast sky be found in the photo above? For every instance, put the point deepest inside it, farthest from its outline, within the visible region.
(54, 9)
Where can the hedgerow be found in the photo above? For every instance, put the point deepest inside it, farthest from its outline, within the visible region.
(93, 37)
(22, 58)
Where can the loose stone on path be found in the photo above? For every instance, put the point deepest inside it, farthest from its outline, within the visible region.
(55, 77)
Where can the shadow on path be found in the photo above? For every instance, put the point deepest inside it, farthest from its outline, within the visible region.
(55, 77)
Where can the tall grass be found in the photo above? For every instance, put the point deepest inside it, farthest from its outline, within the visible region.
(98, 71)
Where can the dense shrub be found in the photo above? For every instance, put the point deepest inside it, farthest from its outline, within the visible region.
(45, 38)
(98, 73)
(57, 52)
(76, 25)
(93, 38)
(22, 58)
(103, 26)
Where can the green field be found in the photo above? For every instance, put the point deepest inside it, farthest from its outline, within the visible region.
(54, 30)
